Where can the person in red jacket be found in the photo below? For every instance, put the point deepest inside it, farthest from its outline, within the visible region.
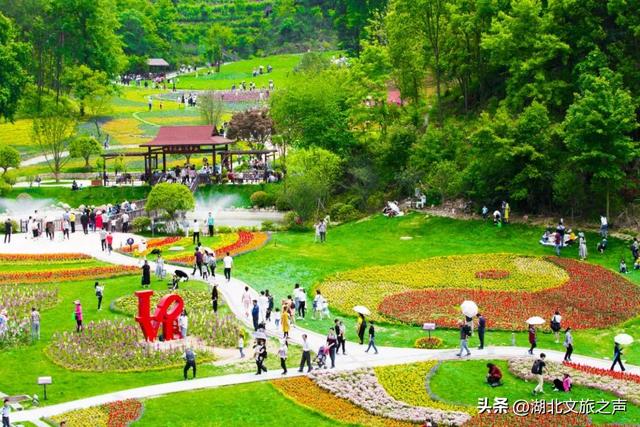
(494, 376)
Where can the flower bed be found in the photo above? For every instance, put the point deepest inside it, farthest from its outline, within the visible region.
(19, 300)
(604, 372)
(531, 420)
(246, 241)
(592, 298)
(157, 242)
(47, 258)
(361, 387)
(66, 274)
(369, 286)
(193, 300)
(585, 376)
(112, 346)
(408, 384)
(306, 393)
(116, 414)
(492, 274)
(428, 342)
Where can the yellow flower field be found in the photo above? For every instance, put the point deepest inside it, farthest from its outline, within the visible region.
(126, 131)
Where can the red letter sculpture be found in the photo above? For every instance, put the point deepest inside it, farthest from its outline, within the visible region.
(167, 312)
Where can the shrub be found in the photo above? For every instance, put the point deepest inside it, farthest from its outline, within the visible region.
(428, 342)
(141, 223)
(293, 222)
(343, 212)
(262, 199)
(269, 226)
(282, 204)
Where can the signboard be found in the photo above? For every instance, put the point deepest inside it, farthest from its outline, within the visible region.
(429, 327)
(167, 311)
(44, 380)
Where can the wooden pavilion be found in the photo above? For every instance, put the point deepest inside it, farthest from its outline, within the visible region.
(188, 140)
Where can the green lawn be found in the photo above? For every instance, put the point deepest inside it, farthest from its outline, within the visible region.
(293, 257)
(239, 405)
(463, 382)
(236, 72)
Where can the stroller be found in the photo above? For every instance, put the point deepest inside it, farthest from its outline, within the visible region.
(321, 357)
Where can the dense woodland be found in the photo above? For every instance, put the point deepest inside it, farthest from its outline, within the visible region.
(526, 100)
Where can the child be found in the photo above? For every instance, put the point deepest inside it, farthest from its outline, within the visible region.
(276, 317)
(241, 344)
(325, 309)
(623, 267)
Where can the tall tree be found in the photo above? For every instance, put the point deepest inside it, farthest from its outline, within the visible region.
(597, 128)
(52, 132)
(253, 126)
(84, 147)
(13, 76)
(219, 38)
(211, 108)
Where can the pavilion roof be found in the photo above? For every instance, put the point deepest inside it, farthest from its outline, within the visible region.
(187, 135)
(157, 62)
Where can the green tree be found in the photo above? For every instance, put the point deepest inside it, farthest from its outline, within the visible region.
(170, 198)
(13, 75)
(445, 178)
(9, 158)
(597, 130)
(91, 88)
(52, 132)
(211, 108)
(219, 38)
(83, 147)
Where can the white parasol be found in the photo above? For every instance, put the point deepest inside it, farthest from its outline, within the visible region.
(623, 339)
(260, 335)
(536, 320)
(361, 309)
(469, 308)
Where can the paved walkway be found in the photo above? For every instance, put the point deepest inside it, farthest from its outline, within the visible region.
(232, 292)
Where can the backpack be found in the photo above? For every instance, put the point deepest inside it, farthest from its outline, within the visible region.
(535, 369)
(467, 330)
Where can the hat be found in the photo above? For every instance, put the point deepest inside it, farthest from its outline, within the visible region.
(76, 302)
(581, 234)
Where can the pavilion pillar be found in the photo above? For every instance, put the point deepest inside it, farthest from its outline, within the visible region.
(164, 162)
(104, 171)
(213, 158)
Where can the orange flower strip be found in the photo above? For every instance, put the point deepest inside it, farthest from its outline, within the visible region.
(65, 275)
(25, 258)
(306, 393)
(153, 243)
(247, 241)
(531, 420)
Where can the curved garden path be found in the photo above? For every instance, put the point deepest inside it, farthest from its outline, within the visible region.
(232, 292)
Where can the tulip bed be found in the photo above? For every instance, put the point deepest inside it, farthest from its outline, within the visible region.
(593, 297)
(48, 258)
(246, 241)
(153, 243)
(370, 285)
(68, 274)
(585, 376)
(112, 346)
(626, 376)
(408, 384)
(116, 414)
(428, 342)
(361, 387)
(306, 393)
(531, 420)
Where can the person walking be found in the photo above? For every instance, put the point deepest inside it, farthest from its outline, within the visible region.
(372, 338)
(66, 228)
(263, 305)
(35, 324)
(211, 264)
(99, 293)
(260, 354)
(538, 370)
(197, 262)
(183, 323)
(532, 338)
(332, 343)
(160, 267)
(8, 229)
(270, 305)
(255, 315)
(323, 231)
(306, 355)
(617, 357)
(84, 221)
(109, 240)
(210, 222)
(103, 239)
(125, 222)
(195, 228)
(241, 344)
(146, 274)
(190, 362)
(558, 242)
(582, 246)
(482, 325)
(6, 410)
(285, 322)
(339, 328)
(568, 344)
(77, 314)
(214, 298)
(227, 261)
(246, 301)
(465, 332)
(361, 327)
(282, 353)
(555, 324)
(604, 226)
(72, 221)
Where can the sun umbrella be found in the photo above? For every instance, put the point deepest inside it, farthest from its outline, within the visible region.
(260, 335)
(623, 339)
(536, 320)
(469, 308)
(204, 248)
(361, 309)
